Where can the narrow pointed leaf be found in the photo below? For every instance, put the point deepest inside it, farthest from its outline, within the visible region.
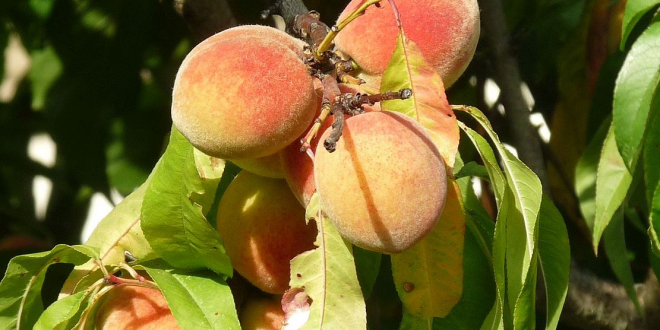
(617, 254)
(652, 151)
(58, 315)
(367, 265)
(612, 183)
(329, 278)
(654, 227)
(429, 275)
(635, 9)
(633, 95)
(428, 104)
(585, 174)
(490, 162)
(20, 289)
(555, 260)
(198, 300)
(173, 220)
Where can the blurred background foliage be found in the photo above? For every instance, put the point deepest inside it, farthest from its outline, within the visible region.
(95, 77)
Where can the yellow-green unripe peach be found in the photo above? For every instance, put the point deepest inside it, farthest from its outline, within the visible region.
(263, 227)
(384, 187)
(244, 93)
(262, 314)
(269, 166)
(135, 308)
(446, 32)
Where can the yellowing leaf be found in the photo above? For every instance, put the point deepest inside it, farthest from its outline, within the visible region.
(429, 276)
(327, 275)
(428, 104)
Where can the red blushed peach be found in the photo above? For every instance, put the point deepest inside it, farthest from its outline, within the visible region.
(263, 227)
(297, 167)
(135, 308)
(384, 187)
(446, 32)
(243, 93)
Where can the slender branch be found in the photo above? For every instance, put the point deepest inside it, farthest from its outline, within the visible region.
(507, 76)
(205, 17)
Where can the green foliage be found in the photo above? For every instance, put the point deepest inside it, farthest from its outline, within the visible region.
(173, 212)
(327, 275)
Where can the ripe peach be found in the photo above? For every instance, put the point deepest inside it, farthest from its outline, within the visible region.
(244, 93)
(446, 31)
(263, 227)
(297, 167)
(269, 166)
(135, 308)
(262, 314)
(384, 187)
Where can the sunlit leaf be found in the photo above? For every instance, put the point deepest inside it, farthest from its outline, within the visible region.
(329, 278)
(46, 68)
(612, 183)
(617, 254)
(492, 167)
(58, 315)
(173, 220)
(521, 213)
(633, 95)
(472, 169)
(20, 289)
(428, 104)
(198, 300)
(429, 275)
(555, 260)
(635, 9)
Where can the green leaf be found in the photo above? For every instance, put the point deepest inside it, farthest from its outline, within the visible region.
(58, 315)
(524, 190)
(585, 174)
(488, 156)
(617, 254)
(198, 300)
(612, 183)
(472, 169)
(45, 70)
(181, 192)
(327, 275)
(20, 289)
(555, 260)
(654, 220)
(635, 9)
(367, 265)
(652, 151)
(41, 8)
(429, 276)
(635, 86)
(428, 104)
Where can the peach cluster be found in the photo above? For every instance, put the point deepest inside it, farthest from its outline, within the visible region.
(249, 95)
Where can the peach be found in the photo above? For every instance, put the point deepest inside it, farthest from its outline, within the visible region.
(262, 314)
(384, 187)
(263, 227)
(135, 308)
(297, 167)
(269, 166)
(446, 31)
(244, 93)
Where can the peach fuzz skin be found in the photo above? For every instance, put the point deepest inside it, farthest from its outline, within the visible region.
(297, 167)
(243, 93)
(446, 31)
(263, 227)
(384, 187)
(135, 308)
(262, 314)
